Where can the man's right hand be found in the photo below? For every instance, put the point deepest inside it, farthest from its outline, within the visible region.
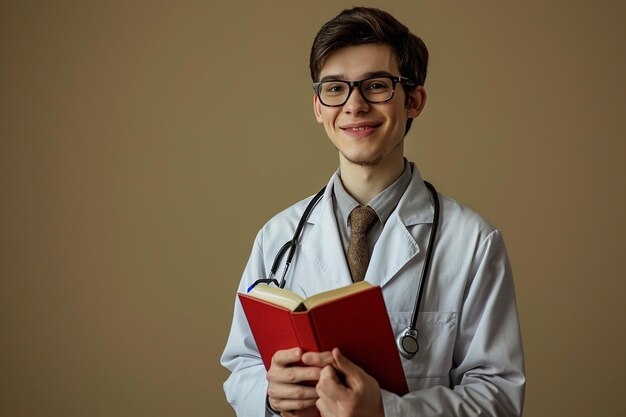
(286, 390)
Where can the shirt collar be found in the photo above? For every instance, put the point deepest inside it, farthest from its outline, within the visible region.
(383, 204)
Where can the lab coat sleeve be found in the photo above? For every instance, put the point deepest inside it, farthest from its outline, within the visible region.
(487, 374)
(246, 387)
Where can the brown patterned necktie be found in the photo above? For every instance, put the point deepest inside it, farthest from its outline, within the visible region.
(361, 218)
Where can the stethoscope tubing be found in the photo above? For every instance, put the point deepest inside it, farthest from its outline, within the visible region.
(407, 342)
(293, 243)
(429, 254)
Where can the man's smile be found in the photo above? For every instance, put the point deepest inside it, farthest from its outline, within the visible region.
(359, 129)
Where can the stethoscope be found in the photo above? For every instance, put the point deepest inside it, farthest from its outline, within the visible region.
(407, 340)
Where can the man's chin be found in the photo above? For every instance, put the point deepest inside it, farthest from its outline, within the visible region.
(361, 160)
(365, 162)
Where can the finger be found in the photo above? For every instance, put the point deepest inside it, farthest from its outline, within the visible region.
(287, 356)
(319, 359)
(324, 407)
(329, 374)
(351, 371)
(293, 374)
(281, 391)
(329, 387)
(291, 405)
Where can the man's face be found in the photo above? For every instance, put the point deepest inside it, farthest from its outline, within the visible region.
(366, 133)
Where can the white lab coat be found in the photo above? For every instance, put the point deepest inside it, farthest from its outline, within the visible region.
(470, 360)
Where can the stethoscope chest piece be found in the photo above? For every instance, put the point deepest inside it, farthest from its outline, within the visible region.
(407, 343)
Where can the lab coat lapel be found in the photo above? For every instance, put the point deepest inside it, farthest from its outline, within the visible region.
(394, 248)
(396, 245)
(323, 246)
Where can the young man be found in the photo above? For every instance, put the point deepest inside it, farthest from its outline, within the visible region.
(368, 72)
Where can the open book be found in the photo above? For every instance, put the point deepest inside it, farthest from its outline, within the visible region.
(292, 301)
(353, 318)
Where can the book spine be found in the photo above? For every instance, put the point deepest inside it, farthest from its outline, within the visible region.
(305, 332)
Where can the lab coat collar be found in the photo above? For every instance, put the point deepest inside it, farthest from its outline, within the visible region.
(396, 245)
(415, 206)
(324, 243)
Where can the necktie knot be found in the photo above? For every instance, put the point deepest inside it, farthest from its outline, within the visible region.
(361, 218)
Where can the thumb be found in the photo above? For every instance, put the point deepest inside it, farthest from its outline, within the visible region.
(344, 365)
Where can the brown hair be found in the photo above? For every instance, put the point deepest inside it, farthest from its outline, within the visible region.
(364, 25)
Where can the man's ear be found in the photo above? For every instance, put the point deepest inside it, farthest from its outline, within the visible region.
(317, 109)
(416, 99)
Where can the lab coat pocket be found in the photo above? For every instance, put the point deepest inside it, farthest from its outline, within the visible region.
(436, 336)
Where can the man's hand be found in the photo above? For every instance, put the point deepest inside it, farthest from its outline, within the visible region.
(286, 391)
(345, 390)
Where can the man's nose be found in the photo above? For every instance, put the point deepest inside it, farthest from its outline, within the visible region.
(356, 103)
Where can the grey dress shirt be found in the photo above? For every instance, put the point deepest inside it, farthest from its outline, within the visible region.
(383, 204)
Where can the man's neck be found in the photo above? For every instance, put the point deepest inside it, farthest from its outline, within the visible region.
(364, 182)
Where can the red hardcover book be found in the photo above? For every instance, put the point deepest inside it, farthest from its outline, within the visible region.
(353, 319)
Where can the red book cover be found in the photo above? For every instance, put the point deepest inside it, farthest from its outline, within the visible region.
(357, 323)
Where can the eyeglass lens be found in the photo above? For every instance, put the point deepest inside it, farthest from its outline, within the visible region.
(374, 90)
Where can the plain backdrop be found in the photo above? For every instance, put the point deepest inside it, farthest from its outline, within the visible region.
(143, 144)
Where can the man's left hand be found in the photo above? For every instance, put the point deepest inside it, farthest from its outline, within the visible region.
(346, 390)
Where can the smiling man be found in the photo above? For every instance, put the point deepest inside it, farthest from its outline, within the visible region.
(367, 127)
(368, 75)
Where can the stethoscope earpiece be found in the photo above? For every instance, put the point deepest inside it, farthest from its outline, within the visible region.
(407, 343)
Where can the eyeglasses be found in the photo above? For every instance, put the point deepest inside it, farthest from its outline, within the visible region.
(335, 93)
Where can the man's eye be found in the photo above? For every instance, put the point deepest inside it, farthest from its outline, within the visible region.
(377, 85)
(334, 88)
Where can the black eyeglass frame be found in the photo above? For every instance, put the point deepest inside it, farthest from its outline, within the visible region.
(394, 80)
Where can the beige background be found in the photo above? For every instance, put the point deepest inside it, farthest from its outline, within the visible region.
(133, 135)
